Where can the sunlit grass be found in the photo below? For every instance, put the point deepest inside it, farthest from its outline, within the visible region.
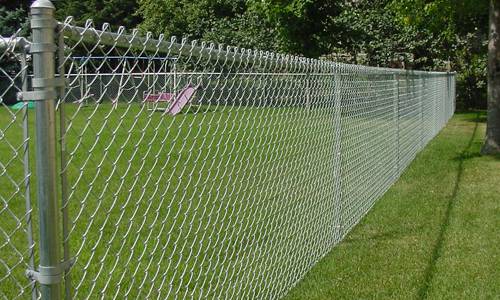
(434, 234)
(189, 205)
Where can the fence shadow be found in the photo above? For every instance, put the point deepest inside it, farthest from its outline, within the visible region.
(465, 155)
(481, 116)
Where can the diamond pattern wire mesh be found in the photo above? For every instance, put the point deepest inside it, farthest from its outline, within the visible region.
(192, 205)
(201, 171)
(270, 163)
(16, 241)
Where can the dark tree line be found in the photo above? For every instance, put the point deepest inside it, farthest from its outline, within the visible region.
(415, 34)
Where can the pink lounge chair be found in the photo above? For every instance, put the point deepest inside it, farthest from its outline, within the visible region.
(177, 102)
(183, 98)
(160, 97)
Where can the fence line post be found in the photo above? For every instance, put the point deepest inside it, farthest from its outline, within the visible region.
(454, 92)
(27, 171)
(448, 94)
(43, 51)
(421, 100)
(337, 98)
(308, 91)
(424, 98)
(396, 113)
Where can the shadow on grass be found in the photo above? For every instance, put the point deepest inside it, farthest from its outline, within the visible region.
(387, 235)
(481, 116)
(438, 247)
(494, 156)
(466, 155)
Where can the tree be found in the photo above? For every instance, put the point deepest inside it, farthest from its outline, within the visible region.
(14, 19)
(302, 27)
(186, 18)
(371, 28)
(492, 143)
(115, 12)
(230, 22)
(454, 30)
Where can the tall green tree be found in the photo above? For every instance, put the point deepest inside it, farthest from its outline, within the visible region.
(14, 18)
(492, 142)
(115, 12)
(190, 19)
(456, 30)
(236, 23)
(302, 27)
(371, 28)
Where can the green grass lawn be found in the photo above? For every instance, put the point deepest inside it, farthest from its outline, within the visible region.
(198, 204)
(435, 234)
(224, 201)
(190, 204)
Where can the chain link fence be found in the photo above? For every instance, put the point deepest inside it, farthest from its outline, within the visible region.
(16, 235)
(191, 170)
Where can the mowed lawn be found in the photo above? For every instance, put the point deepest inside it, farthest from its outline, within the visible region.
(434, 235)
(209, 202)
(214, 202)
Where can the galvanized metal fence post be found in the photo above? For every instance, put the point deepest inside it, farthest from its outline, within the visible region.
(64, 163)
(448, 93)
(337, 98)
(396, 113)
(27, 170)
(43, 51)
(420, 98)
(308, 91)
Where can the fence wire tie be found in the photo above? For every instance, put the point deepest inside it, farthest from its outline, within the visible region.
(50, 275)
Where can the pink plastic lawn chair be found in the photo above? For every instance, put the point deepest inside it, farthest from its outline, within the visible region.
(183, 98)
(157, 98)
(177, 101)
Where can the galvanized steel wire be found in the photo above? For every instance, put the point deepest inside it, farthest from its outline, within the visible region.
(271, 162)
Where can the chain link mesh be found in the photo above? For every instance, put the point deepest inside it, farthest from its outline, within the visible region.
(194, 170)
(271, 161)
(16, 239)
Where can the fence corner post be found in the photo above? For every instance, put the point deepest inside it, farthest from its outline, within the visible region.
(43, 52)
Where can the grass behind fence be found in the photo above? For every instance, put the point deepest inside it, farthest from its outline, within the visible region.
(214, 174)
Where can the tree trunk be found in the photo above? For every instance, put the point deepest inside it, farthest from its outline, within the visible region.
(492, 143)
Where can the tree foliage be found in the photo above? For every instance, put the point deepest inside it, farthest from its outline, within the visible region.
(294, 26)
(302, 26)
(115, 12)
(13, 18)
(458, 32)
(222, 21)
(417, 34)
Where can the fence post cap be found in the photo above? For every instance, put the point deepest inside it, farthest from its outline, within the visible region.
(43, 4)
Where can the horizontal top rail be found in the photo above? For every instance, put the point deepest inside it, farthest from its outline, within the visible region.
(211, 51)
(123, 57)
(89, 34)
